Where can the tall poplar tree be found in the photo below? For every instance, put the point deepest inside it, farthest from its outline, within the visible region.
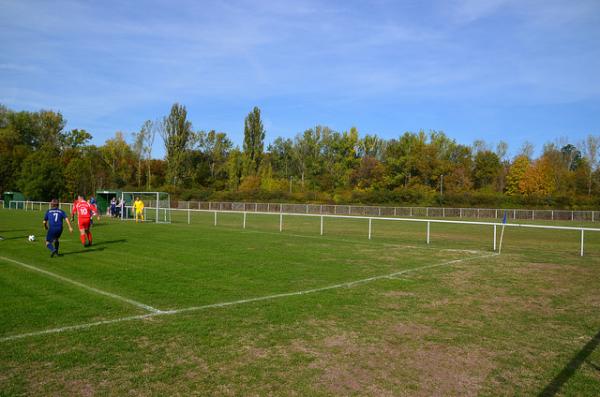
(177, 135)
(254, 137)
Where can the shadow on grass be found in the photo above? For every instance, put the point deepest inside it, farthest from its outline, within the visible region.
(84, 251)
(108, 242)
(569, 370)
(15, 238)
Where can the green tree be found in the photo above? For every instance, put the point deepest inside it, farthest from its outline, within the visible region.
(177, 135)
(486, 169)
(254, 136)
(41, 175)
(281, 151)
(235, 164)
(118, 157)
(76, 139)
(216, 147)
(340, 157)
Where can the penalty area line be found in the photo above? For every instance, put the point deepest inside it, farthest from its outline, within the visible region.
(81, 285)
(348, 284)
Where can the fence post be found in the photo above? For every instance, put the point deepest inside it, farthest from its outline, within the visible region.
(572, 216)
(370, 228)
(552, 214)
(215, 218)
(443, 212)
(428, 229)
(321, 209)
(477, 213)
(460, 216)
(494, 238)
(532, 215)
(496, 217)
(514, 214)
(395, 211)
(307, 208)
(189, 220)
(281, 222)
(592, 216)
(411, 212)
(321, 225)
(581, 252)
(427, 212)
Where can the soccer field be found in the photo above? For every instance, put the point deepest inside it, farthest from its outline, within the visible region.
(163, 309)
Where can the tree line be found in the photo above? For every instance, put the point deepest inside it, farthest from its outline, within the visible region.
(39, 157)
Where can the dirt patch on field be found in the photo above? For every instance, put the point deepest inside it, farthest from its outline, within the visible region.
(445, 370)
(398, 294)
(403, 363)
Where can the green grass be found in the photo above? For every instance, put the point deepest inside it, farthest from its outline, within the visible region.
(513, 324)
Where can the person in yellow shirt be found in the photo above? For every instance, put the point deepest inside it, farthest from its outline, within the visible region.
(138, 206)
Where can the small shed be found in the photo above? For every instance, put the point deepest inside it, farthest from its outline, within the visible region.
(103, 198)
(12, 196)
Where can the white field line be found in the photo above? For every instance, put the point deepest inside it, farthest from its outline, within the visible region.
(238, 302)
(81, 285)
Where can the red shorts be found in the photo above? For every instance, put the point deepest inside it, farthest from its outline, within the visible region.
(84, 224)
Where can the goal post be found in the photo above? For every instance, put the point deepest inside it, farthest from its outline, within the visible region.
(157, 206)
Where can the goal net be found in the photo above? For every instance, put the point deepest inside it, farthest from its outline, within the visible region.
(157, 206)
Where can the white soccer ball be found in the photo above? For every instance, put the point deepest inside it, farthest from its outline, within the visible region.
(31, 237)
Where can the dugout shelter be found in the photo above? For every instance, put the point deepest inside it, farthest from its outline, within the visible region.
(12, 196)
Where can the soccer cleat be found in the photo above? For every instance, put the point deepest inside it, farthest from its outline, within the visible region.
(53, 254)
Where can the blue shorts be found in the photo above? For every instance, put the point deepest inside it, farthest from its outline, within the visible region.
(53, 234)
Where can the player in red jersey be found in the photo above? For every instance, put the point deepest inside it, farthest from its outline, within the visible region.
(84, 214)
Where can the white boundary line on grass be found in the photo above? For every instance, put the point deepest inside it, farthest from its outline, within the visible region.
(81, 285)
(237, 302)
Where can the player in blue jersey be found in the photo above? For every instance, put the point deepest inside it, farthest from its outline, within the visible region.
(53, 223)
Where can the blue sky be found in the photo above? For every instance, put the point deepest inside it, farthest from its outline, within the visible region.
(494, 70)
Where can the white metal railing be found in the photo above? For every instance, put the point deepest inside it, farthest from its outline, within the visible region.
(382, 211)
(428, 222)
(37, 205)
